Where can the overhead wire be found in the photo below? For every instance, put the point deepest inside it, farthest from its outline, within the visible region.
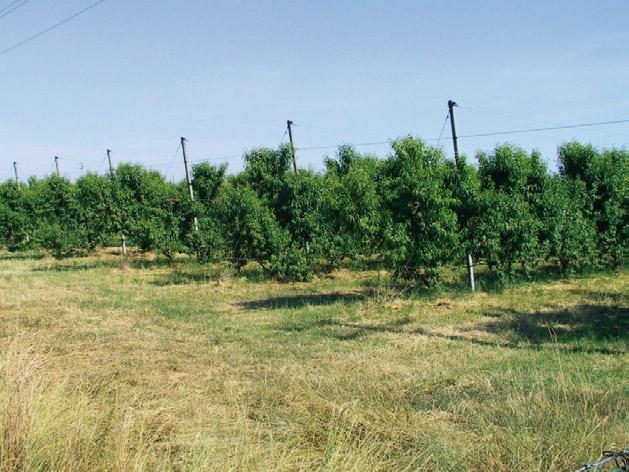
(284, 136)
(143, 154)
(478, 135)
(5, 13)
(218, 158)
(101, 164)
(5, 8)
(374, 143)
(50, 28)
(172, 160)
(533, 130)
(516, 117)
(311, 148)
(443, 127)
(345, 130)
(170, 163)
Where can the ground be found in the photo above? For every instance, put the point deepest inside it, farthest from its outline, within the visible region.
(144, 365)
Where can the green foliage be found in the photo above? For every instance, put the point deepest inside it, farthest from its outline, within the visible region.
(506, 232)
(464, 183)
(250, 230)
(507, 226)
(15, 219)
(421, 226)
(416, 210)
(96, 207)
(603, 175)
(299, 210)
(511, 170)
(207, 180)
(568, 232)
(155, 215)
(265, 172)
(290, 263)
(294, 204)
(352, 206)
(208, 242)
(60, 226)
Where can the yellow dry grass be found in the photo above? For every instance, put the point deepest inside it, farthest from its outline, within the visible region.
(142, 366)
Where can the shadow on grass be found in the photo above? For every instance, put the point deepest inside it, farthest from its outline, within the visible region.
(598, 296)
(65, 267)
(596, 322)
(179, 277)
(587, 328)
(206, 274)
(299, 301)
(584, 328)
(344, 330)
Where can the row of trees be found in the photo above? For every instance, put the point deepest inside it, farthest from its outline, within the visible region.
(415, 209)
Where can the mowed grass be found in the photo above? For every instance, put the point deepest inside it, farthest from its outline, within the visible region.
(137, 365)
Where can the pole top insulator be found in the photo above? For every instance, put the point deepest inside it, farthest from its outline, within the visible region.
(183, 139)
(451, 103)
(289, 122)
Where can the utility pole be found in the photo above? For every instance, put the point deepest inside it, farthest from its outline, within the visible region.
(190, 189)
(111, 167)
(289, 123)
(17, 179)
(57, 166)
(451, 105)
(123, 239)
(470, 261)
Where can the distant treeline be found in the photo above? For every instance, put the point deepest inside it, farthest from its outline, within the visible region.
(415, 209)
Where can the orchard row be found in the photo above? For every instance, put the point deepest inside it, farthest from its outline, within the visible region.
(415, 210)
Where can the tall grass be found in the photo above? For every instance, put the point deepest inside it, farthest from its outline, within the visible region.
(118, 370)
(515, 421)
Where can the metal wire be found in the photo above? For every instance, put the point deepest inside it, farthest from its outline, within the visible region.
(619, 457)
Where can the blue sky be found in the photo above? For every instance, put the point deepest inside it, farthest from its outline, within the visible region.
(134, 76)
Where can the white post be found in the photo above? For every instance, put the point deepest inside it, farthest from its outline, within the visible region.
(470, 270)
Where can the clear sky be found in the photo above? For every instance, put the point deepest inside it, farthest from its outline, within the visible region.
(134, 76)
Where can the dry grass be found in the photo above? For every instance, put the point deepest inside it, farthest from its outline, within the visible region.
(149, 367)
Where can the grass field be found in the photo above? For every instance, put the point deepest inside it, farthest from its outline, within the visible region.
(146, 366)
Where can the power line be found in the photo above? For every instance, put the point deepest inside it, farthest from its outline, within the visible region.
(337, 129)
(172, 160)
(218, 158)
(442, 128)
(494, 133)
(142, 154)
(533, 130)
(50, 28)
(4, 12)
(232, 157)
(3, 9)
(375, 143)
(311, 148)
(101, 164)
(507, 115)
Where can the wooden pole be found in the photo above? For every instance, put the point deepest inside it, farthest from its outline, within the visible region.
(470, 261)
(17, 179)
(289, 124)
(190, 189)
